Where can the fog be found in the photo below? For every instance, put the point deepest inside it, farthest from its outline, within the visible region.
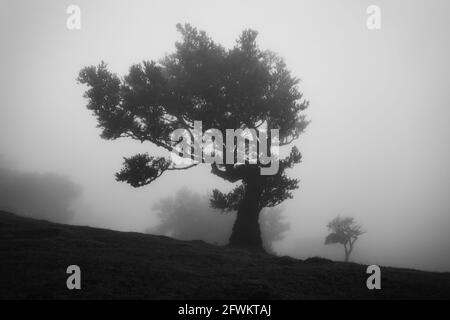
(188, 215)
(377, 147)
(42, 196)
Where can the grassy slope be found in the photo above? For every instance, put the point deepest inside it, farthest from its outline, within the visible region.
(34, 256)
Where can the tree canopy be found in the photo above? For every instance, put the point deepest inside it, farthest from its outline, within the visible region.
(345, 231)
(242, 87)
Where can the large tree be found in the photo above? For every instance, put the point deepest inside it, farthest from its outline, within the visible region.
(239, 88)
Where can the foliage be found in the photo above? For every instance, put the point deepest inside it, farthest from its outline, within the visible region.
(239, 88)
(345, 231)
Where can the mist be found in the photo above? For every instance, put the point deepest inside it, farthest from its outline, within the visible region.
(189, 216)
(43, 196)
(377, 148)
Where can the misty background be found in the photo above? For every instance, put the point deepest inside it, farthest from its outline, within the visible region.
(377, 148)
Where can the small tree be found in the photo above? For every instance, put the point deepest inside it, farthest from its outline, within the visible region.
(344, 231)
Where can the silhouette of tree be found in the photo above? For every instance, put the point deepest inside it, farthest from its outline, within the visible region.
(188, 216)
(239, 88)
(45, 196)
(344, 231)
(273, 227)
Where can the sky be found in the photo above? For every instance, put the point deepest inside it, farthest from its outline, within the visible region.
(377, 147)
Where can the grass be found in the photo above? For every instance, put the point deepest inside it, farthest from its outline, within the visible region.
(34, 256)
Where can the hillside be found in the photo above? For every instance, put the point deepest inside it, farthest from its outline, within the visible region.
(34, 256)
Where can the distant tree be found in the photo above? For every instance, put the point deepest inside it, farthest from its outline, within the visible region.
(239, 88)
(273, 227)
(344, 231)
(188, 216)
(45, 196)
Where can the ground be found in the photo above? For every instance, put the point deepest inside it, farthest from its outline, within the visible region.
(34, 256)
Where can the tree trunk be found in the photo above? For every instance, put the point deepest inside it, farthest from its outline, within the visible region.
(347, 252)
(246, 230)
(347, 255)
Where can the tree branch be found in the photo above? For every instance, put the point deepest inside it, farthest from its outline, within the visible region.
(183, 168)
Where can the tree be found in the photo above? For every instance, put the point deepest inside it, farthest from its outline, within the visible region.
(188, 216)
(273, 227)
(344, 231)
(47, 196)
(239, 88)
